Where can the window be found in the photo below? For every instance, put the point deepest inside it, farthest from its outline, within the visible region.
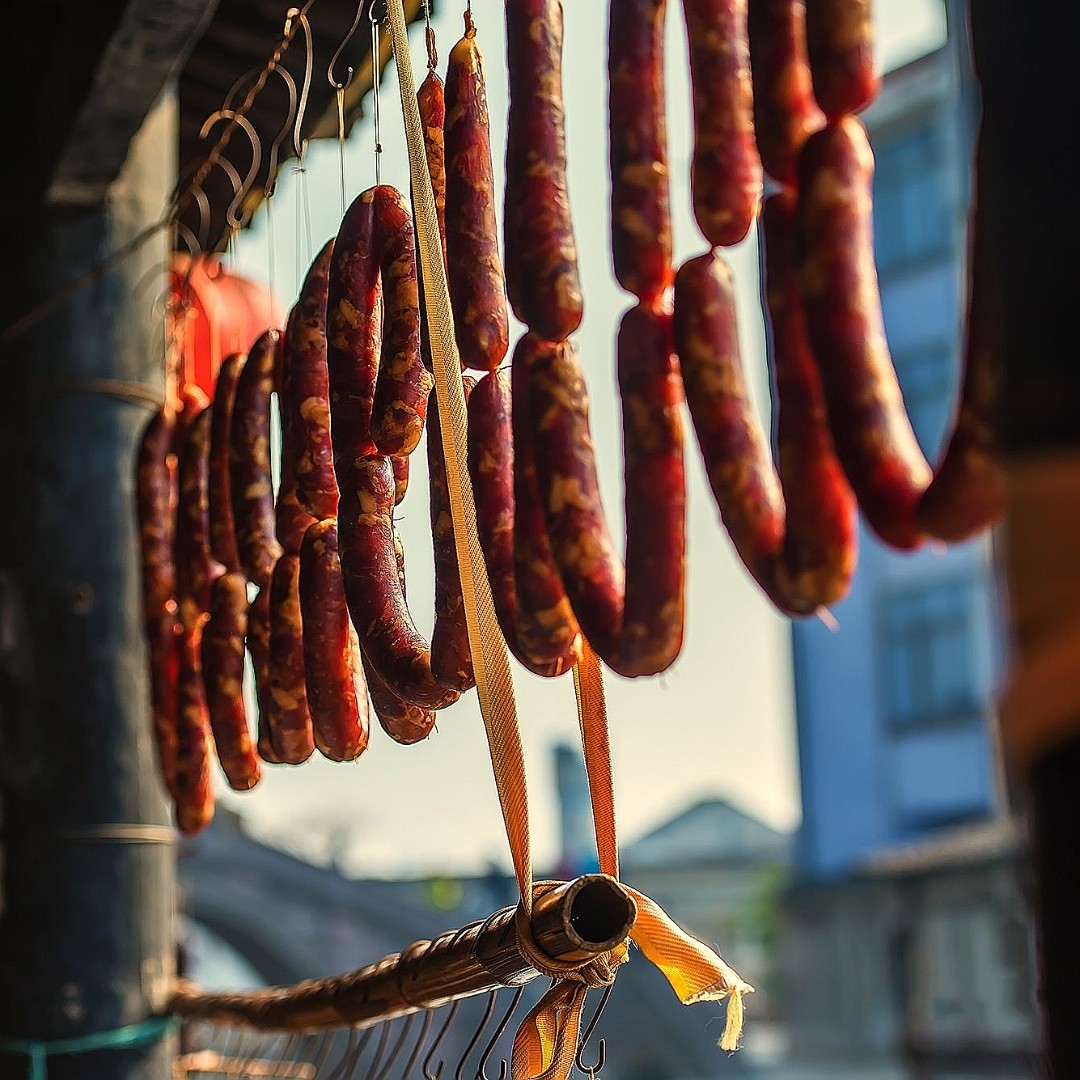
(911, 220)
(928, 656)
(926, 379)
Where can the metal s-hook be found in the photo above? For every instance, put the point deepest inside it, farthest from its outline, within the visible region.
(601, 1046)
(342, 85)
(300, 14)
(395, 1053)
(286, 129)
(418, 1046)
(241, 188)
(426, 1067)
(459, 1072)
(485, 1057)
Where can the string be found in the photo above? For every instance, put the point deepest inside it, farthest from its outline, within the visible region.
(376, 46)
(340, 93)
(38, 1051)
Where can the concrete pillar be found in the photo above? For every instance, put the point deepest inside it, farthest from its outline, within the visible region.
(87, 889)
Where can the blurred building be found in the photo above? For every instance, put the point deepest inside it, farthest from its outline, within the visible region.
(925, 955)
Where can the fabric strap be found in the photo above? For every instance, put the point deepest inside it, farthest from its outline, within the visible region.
(545, 1044)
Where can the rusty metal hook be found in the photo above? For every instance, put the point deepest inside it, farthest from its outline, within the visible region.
(426, 1067)
(481, 1073)
(240, 188)
(459, 1072)
(601, 1046)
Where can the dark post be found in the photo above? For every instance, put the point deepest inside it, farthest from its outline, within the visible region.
(1029, 176)
(87, 904)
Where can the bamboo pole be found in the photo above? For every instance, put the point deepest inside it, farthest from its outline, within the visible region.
(573, 923)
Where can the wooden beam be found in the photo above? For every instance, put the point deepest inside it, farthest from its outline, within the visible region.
(147, 49)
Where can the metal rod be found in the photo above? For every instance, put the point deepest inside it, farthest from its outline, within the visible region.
(572, 924)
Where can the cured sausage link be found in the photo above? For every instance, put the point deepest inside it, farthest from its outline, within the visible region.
(194, 795)
(196, 567)
(336, 689)
(249, 461)
(378, 388)
(431, 101)
(732, 443)
(785, 112)
(258, 643)
(451, 657)
(821, 517)
(592, 573)
(491, 468)
(541, 254)
(222, 523)
(640, 195)
(390, 642)
(155, 486)
(288, 717)
(553, 414)
(475, 274)
(223, 676)
(870, 426)
(725, 173)
(840, 41)
(651, 391)
(967, 493)
(309, 402)
(548, 630)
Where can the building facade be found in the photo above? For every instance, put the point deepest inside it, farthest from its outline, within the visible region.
(907, 942)
(893, 709)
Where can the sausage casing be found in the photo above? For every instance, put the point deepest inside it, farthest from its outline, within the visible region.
(223, 677)
(870, 426)
(640, 195)
(821, 517)
(731, 439)
(390, 642)
(309, 402)
(336, 689)
(155, 485)
(451, 657)
(196, 567)
(725, 174)
(651, 391)
(249, 461)
(222, 523)
(378, 388)
(194, 798)
(552, 415)
(840, 42)
(785, 112)
(474, 266)
(286, 699)
(541, 255)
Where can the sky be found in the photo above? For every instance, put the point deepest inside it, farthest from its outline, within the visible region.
(720, 722)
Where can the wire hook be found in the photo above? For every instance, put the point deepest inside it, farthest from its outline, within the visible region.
(246, 185)
(481, 1073)
(418, 1046)
(601, 1046)
(395, 1053)
(309, 60)
(426, 1067)
(341, 85)
(286, 129)
(459, 1072)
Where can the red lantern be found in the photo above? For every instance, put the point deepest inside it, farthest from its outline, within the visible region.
(216, 313)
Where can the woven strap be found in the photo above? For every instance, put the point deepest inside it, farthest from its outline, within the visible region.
(546, 1041)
